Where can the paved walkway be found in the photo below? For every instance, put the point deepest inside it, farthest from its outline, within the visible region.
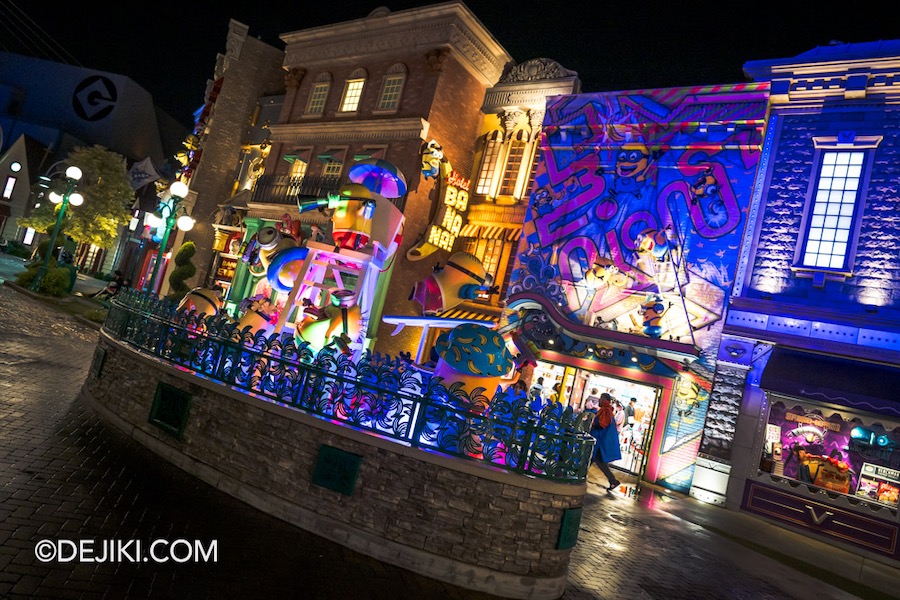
(64, 475)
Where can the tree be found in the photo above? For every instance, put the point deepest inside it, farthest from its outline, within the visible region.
(108, 197)
(184, 270)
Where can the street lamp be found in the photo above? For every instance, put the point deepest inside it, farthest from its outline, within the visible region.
(167, 210)
(70, 196)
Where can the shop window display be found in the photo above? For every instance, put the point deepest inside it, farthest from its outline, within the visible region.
(842, 451)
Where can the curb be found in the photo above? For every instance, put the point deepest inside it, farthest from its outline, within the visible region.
(54, 301)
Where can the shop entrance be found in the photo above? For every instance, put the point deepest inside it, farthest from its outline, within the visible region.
(576, 385)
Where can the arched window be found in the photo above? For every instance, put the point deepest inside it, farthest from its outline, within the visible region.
(315, 105)
(486, 175)
(392, 88)
(353, 89)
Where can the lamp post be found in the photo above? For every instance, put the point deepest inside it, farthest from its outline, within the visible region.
(178, 191)
(70, 196)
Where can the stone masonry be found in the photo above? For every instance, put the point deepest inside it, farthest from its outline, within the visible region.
(451, 510)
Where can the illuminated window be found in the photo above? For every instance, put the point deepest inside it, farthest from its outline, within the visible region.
(333, 168)
(9, 187)
(530, 183)
(513, 165)
(318, 95)
(488, 165)
(353, 89)
(392, 88)
(835, 201)
(298, 168)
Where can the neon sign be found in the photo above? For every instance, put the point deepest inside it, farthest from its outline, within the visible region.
(454, 202)
(451, 215)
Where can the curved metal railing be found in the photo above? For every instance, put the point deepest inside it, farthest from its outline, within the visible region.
(378, 394)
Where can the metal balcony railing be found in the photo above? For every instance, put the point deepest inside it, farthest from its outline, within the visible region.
(281, 189)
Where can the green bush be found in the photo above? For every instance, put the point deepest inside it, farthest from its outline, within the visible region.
(57, 280)
(18, 249)
(184, 270)
(24, 278)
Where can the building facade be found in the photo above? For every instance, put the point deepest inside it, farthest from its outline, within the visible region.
(502, 177)
(382, 87)
(216, 156)
(629, 248)
(805, 425)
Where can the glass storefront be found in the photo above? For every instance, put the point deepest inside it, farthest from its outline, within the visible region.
(578, 384)
(834, 448)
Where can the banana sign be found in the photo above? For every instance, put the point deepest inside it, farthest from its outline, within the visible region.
(453, 191)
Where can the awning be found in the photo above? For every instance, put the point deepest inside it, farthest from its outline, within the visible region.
(852, 383)
(509, 234)
(471, 315)
(491, 232)
(469, 230)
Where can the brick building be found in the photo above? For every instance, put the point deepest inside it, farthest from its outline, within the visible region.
(224, 130)
(380, 87)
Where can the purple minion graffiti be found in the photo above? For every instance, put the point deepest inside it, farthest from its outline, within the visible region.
(705, 191)
(653, 310)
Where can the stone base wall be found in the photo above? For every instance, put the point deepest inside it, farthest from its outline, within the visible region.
(444, 517)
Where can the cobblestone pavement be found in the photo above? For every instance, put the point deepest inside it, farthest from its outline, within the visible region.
(64, 475)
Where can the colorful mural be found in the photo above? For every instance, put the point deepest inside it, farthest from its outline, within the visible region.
(634, 227)
(638, 207)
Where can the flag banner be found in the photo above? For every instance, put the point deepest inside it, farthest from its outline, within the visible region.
(143, 173)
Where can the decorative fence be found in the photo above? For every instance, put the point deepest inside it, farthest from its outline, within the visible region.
(386, 396)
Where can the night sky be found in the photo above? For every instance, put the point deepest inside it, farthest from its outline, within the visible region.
(612, 45)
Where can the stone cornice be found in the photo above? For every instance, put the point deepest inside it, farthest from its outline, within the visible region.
(449, 25)
(351, 131)
(526, 95)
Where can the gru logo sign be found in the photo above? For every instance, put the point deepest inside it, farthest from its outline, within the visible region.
(94, 98)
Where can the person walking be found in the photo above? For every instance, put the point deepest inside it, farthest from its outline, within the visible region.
(536, 396)
(555, 394)
(604, 432)
(629, 425)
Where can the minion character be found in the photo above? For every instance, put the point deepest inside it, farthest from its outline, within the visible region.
(653, 242)
(432, 155)
(462, 278)
(605, 272)
(202, 301)
(258, 314)
(338, 322)
(632, 161)
(704, 186)
(632, 168)
(706, 192)
(351, 219)
(262, 246)
(529, 352)
(474, 355)
(653, 310)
